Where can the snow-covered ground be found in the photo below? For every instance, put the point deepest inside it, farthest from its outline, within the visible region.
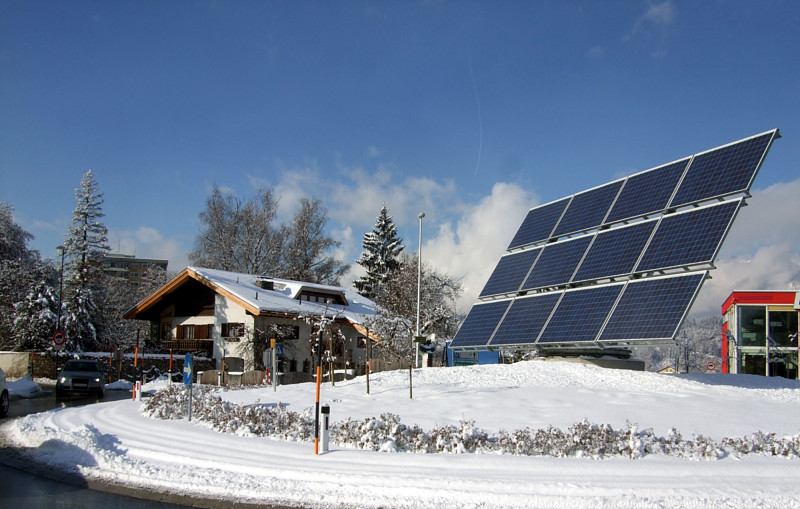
(116, 443)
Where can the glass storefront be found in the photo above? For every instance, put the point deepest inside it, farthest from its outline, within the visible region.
(755, 325)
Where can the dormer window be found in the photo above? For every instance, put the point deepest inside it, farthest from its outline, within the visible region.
(322, 297)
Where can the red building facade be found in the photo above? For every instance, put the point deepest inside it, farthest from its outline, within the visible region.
(760, 333)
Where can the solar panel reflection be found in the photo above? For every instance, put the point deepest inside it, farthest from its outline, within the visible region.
(726, 170)
(580, 315)
(688, 238)
(648, 192)
(480, 323)
(652, 309)
(538, 224)
(509, 273)
(524, 321)
(615, 252)
(588, 209)
(557, 263)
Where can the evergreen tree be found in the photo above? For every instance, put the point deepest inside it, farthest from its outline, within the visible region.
(85, 243)
(381, 256)
(28, 305)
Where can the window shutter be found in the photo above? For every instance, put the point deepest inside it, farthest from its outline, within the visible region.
(179, 332)
(201, 332)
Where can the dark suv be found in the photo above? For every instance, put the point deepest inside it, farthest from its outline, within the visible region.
(80, 375)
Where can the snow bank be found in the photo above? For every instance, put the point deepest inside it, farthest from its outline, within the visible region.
(115, 442)
(25, 387)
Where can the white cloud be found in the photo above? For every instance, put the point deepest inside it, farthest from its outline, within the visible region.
(147, 242)
(481, 234)
(596, 52)
(659, 14)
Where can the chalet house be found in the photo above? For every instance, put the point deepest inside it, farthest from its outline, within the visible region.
(234, 316)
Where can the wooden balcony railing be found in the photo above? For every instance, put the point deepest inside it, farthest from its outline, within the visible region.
(189, 345)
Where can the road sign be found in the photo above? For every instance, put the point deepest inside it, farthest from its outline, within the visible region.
(59, 339)
(279, 348)
(711, 366)
(188, 371)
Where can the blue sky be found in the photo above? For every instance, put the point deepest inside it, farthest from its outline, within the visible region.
(470, 111)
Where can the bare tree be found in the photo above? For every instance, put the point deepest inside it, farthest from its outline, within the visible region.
(307, 254)
(239, 236)
(396, 320)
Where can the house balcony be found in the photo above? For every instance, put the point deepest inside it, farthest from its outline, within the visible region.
(188, 345)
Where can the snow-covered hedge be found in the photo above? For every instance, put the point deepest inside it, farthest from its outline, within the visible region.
(387, 433)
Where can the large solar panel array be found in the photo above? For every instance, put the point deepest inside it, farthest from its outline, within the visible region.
(618, 264)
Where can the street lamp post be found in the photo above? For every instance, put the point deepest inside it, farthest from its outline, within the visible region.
(419, 288)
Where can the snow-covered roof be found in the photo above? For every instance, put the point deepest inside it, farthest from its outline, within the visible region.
(283, 298)
(279, 297)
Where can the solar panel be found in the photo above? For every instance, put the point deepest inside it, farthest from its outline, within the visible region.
(539, 223)
(525, 319)
(588, 209)
(619, 263)
(480, 323)
(615, 252)
(580, 315)
(557, 263)
(652, 309)
(510, 272)
(689, 238)
(648, 192)
(723, 171)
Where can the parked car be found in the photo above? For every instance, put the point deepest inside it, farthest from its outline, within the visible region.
(80, 375)
(4, 395)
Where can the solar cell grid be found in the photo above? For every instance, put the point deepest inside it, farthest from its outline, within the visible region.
(480, 324)
(615, 252)
(580, 315)
(688, 238)
(588, 209)
(556, 263)
(538, 224)
(510, 272)
(525, 320)
(647, 192)
(652, 309)
(726, 170)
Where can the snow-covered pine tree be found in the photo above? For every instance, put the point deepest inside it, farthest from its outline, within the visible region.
(381, 256)
(27, 304)
(85, 243)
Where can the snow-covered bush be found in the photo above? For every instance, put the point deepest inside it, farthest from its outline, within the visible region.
(387, 434)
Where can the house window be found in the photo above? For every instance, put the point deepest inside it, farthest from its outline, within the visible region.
(232, 331)
(188, 332)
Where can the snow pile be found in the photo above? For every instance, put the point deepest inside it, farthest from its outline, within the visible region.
(387, 433)
(119, 385)
(25, 387)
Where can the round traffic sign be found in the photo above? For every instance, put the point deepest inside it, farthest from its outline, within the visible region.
(188, 370)
(711, 366)
(59, 338)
